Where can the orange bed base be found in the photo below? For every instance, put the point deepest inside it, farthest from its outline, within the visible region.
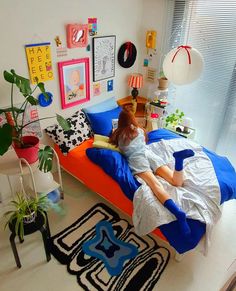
(78, 165)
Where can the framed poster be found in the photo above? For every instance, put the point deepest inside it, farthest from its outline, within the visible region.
(104, 57)
(39, 62)
(77, 35)
(74, 82)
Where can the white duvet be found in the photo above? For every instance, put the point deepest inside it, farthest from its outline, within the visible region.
(199, 197)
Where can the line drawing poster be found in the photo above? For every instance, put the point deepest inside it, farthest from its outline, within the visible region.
(103, 57)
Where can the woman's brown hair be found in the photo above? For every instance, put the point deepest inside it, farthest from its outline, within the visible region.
(126, 130)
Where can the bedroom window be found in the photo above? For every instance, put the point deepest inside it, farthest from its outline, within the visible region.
(210, 27)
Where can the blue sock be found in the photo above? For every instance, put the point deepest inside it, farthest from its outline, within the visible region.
(180, 156)
(180, 215)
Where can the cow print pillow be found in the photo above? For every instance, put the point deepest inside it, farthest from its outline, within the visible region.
(67, 140)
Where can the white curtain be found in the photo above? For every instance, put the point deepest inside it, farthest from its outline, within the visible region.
(210, 27)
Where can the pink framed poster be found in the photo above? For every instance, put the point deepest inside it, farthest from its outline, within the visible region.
(74, 82)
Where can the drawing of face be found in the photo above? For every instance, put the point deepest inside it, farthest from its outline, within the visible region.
(75, 78)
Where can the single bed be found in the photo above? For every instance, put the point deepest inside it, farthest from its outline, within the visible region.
(102, 179)
(107, 173)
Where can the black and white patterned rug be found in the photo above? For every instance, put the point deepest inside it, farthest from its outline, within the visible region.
(84, 247)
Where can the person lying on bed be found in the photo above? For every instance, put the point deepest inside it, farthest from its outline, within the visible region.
(131, 140)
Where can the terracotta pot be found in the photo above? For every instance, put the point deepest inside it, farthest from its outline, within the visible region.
(29, 153)
(163, 83)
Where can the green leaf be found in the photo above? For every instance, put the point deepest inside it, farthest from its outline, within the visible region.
(45, 159)
(8, 77)
(63, 122)
(32, 100)
(41, 87)
(22, 83)
(5, 138)
(25, 86)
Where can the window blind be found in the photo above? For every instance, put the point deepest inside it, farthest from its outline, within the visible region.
(210, 27)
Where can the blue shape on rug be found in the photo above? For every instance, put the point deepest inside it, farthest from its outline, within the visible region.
(106, 247)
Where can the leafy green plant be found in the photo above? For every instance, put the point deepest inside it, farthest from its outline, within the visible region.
(45, 159)
(12, 131)
(23, 206)
(174, 118)
(162, 75)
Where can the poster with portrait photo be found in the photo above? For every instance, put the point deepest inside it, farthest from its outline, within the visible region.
(74, 82)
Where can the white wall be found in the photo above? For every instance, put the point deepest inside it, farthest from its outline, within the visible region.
(33, 21)
(154, 18)
(25, 22)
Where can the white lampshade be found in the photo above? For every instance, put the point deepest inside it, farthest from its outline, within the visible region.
(183, 65)
(44, 182)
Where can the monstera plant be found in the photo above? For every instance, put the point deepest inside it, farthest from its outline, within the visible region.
(12, 132)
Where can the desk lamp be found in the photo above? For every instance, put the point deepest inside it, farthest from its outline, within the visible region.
(135, 81)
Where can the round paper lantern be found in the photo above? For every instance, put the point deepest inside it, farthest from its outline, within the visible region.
(183, 65)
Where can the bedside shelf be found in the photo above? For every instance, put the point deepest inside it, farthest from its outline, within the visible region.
(190, 135)
(141, 102)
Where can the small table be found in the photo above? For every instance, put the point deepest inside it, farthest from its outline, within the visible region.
(11, 165)
(126, 103)
(38, 224)
(141, 101)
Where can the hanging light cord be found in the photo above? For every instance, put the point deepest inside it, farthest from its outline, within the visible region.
(189, 23)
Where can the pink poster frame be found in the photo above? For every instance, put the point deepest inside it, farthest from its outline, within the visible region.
(74, 78)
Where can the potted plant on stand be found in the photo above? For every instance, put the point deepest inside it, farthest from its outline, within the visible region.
(12, 132)
(174, 119)
(24, 210)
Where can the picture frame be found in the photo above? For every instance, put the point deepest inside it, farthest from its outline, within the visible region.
(77, 35)
(74, 82)
(104, 57)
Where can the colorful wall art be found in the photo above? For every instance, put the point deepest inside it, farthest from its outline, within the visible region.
(92, 26)
(74, 82)
(77, 35)
(104, 57)
(39, 62)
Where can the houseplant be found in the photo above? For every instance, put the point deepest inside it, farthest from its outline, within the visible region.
(11, 133)
(24, 211)
(174, 118)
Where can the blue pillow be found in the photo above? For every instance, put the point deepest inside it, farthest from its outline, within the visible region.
(102, 106)
(116, 166)
(161, 133)
(101, 122)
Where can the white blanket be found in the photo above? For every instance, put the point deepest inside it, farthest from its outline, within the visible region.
(199, 197)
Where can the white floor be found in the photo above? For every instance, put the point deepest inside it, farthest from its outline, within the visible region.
(194, 273)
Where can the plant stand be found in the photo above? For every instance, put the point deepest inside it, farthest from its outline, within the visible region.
(32, 227)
